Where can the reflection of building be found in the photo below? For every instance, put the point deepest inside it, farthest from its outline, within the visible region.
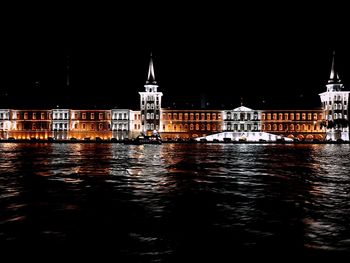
(242, 123)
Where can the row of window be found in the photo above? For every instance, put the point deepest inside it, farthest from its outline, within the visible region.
(292, 116)
(151, 126)
(192, 127)
(337, 98)
(335, 106)
(336, 116)
(120, 116)
(290, 127)
(34, 116)
(150, 116)
(150, 106)
(241, 116)
(242, 127)
(91, 127)
(191, 116)
(151, 98)
(84, 115)
(4, 116)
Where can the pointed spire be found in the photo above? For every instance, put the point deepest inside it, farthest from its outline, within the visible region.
(334, 77)
(151, 79)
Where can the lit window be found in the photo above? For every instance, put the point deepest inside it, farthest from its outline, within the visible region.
(100, 116)
(92, 116)
(84, 116)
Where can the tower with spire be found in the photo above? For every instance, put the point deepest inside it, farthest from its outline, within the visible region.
(150, 102)
(335, 104)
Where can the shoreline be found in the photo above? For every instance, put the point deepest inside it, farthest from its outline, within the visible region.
(175, 142)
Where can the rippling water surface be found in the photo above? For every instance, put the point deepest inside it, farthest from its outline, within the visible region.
(174, 201)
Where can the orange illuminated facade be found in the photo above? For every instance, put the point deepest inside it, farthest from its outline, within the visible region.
(187, 124)
(90, 124)
(299, 124)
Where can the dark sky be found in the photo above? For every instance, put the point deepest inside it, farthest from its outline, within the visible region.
(271, 56)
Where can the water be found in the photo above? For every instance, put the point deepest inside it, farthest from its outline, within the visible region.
(173, 202)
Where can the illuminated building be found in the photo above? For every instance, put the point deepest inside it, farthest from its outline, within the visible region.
(327, 123)
(150, 102)
(242, 119)
(90, 124)
(296, 124)
(335, 104)
(30, 124)
(186, 124)
(60, 123)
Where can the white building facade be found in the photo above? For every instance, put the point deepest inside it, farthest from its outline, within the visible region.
(335, 104)
(150, 103)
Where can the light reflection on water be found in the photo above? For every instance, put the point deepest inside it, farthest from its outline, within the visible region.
(156, 201)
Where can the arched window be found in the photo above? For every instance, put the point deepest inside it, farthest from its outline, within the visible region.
(169, 127)
(100, 126)
(174, 127)
(229, 115)
(148, 126)
(275, 127)
(263, 127)
(180, 127)
(208, 127)
(152, 116)
(148, 106)
(152, 106)
(303, 127)
(269, 127)
(148, 116)
(280, 127)
(197, 127)
(339, 106)
(186, 127)
(335, 106)
(335, 116)
(152, 126)
(191, 127)
(297, 127)
(214, 127)
(202, 127)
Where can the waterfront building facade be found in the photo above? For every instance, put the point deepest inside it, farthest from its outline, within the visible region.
(150, 103)
(331, 122)
(295, 124)
(90, 125)
(186, 124)
(60, 123)
(335, 105)
(242, 119)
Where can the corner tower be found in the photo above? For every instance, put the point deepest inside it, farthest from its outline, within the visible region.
(335, 104)
(150, 102)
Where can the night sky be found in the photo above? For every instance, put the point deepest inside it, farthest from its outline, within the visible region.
(225, 55)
